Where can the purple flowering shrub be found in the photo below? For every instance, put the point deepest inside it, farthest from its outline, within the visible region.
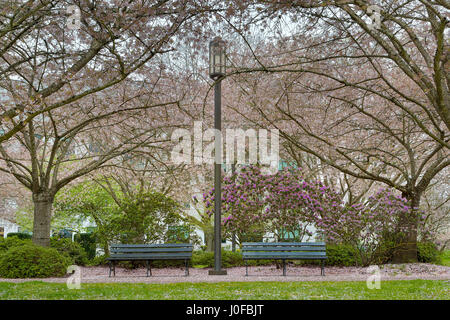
(374, 227)
(287, 201)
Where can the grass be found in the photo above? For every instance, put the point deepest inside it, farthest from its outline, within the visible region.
(446, 258)
(390, 290)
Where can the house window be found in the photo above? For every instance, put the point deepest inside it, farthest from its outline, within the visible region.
(286, 235)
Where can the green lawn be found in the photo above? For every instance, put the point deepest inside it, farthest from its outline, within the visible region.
(391, 290)
(446, 258)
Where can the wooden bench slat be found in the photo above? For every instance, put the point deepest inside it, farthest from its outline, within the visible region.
(152, 245)
(285, 244)
(286, 258)
(152, 257)
(150, 250)
(148, 255)
(283, 254)
(300, 248)
(143, 254)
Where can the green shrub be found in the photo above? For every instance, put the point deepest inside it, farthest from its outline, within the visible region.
(31, 261)
(88, 242)
(338, 255)
(19, 235)
(342, 256)
(204, 258)
(428, 252)
(72, 249)
(7, 243)
(98, 261)
(229, 259)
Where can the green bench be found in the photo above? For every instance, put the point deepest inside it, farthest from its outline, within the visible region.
(148, 253)
(284, 251)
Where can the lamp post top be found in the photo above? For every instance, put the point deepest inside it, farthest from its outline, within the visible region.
(217, 58)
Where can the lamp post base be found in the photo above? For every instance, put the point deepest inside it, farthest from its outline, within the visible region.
(217, 272)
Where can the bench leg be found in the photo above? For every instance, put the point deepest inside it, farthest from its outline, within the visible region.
(112, 267)
(322, 271)
(246, 268)
(186, 272)
(149, 268)
(284, 267)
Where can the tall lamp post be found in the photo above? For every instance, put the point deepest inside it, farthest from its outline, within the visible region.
(217, 72)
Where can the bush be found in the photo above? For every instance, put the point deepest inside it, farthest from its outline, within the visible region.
(342, 256)
(203, 258)
(19, 235)
(88, 242)
(7, 243)
(31, 261)
(229, 259)
(428, 252)
(98, 261)
(338, 255)
(71, 249)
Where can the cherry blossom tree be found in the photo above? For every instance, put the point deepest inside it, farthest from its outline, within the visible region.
(368, 100)
(51, 49)
(81, 99)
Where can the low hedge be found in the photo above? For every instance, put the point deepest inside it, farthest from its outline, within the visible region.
(19, 235)
(32, 261)
(10, 242)
(65, 246)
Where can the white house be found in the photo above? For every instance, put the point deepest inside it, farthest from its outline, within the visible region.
(7, 227)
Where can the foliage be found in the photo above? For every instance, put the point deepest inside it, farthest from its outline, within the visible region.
(288, 203)
(32, 261)
(65, 246)
(145, 218)
(205, 222)
(98, 261)
(255, 203)
(7, 243)
(342, 256)
(374, 228)
(445, 258)
(88, 242)
(206, 259)
(87, 201)
(182, 233)
(73, 250)
(19, 235)
(428, 252)
(141, 217)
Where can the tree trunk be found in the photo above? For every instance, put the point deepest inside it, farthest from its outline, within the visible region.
(105, 246)
(43, 203)
(233, 242)
(209, 240)
(406, 250)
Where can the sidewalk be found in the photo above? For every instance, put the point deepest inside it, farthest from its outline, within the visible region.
(263, 273)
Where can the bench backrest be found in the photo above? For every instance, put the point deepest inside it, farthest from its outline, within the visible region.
(152, 251)
(288, 249)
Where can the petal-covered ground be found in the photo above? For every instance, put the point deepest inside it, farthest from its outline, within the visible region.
(261, 273)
